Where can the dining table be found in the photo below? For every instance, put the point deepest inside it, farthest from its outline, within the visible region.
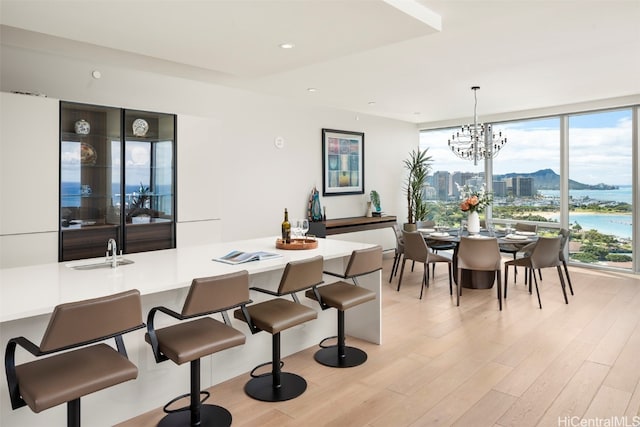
(470, 278)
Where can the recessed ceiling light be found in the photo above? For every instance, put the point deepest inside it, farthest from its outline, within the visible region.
(312, 89)
(372, 102)
(287, 45)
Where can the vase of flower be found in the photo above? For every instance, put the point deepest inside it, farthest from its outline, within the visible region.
(474, 202)
(473, 222)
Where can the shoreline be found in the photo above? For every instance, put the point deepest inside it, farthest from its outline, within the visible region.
(595, 220)
(549, 215)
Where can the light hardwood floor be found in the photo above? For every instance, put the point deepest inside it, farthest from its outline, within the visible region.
(472, 365)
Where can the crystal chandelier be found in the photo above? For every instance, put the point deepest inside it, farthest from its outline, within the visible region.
(476, 141)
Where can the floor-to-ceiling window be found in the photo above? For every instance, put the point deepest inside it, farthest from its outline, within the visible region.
(528, 180)
(600, 187)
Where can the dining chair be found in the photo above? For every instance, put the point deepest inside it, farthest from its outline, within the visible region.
(479, 254)
(399, 251)
(545, 254)
(416, 249)
(564, 234)
(515, 248)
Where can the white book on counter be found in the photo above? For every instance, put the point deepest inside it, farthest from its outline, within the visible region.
(239, 257)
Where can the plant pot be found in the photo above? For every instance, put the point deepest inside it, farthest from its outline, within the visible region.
(410, 226)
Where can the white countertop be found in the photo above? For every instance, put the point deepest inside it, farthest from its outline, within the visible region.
(36, 290)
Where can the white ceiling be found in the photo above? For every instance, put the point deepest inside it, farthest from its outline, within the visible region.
(366, 56)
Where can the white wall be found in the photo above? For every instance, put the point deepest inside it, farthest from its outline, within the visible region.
(252, 180)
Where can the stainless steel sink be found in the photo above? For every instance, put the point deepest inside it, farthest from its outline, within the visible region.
(97, 265)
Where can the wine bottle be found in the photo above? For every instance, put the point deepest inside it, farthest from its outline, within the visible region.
(286, 228)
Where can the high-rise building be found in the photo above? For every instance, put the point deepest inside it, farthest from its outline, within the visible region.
(442, 184)
(500, 188)
(524, 187)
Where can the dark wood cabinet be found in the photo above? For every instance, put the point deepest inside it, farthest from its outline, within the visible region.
(117, 180)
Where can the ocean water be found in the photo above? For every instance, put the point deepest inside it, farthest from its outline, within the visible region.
(73, 192)
(622, 194)
(615, 224)
(618, 225)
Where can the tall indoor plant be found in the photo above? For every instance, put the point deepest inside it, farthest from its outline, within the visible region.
(418, 166)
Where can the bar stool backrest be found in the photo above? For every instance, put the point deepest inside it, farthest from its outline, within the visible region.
(299, 275)
(92, 320)
(217, 293)
(364, 261)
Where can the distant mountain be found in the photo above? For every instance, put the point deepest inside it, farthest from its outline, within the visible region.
(547, 179)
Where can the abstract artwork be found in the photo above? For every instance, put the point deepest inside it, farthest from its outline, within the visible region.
(342, 162)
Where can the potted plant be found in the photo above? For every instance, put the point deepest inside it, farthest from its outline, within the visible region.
(418, 166)
(375, 199)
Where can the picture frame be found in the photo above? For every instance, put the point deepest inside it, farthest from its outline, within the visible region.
(342, 162)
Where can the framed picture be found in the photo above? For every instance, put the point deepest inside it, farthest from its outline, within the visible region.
(342, 162)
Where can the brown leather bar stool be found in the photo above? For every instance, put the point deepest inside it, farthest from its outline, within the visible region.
(275, 316)
(75, 372)
(198, 335)
(343, 296)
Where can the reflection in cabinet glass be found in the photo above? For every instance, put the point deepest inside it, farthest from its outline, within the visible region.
(114, 184)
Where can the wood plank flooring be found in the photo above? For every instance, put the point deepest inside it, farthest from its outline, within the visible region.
(472, 365)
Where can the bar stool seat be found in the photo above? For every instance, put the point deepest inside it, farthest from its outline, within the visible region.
(278, 314)
(47, 383)
(188, 341)
(342, 297)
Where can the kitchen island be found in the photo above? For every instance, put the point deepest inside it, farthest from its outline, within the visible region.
(29, 294)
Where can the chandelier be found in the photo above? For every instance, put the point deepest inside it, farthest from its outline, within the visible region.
(476, 141)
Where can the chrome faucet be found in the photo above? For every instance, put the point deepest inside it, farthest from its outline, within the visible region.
(112, 247)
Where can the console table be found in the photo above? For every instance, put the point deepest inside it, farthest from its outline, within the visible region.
(349, 225)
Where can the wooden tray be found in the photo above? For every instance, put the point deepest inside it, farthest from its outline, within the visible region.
(297, 244)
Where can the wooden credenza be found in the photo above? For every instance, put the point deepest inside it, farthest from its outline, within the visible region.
(350, 225)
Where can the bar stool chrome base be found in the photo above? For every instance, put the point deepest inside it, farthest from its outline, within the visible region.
(210, 416)
(262, 387)
(330, 356)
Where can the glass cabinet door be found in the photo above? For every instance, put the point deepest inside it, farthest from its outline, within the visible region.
(90, 177)
(149, 153)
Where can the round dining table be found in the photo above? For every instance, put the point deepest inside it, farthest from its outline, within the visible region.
(470, 278)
